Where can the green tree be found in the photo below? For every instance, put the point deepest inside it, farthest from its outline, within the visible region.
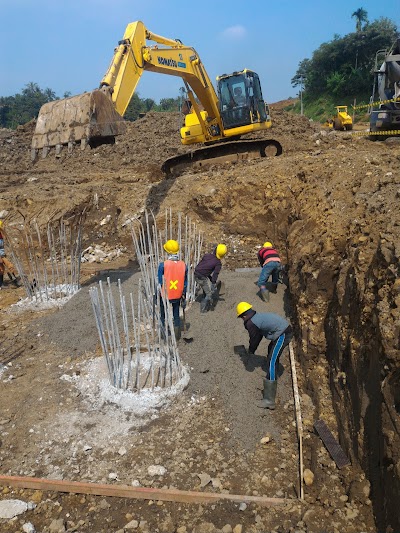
(22, 108)
(169, 104)
(343, 67)
(361, 16)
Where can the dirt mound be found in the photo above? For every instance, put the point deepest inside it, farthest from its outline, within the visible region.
(330, 205)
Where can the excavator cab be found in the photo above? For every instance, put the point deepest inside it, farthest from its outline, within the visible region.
(240, 100)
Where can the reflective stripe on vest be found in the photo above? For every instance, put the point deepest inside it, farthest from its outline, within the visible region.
(174, 276)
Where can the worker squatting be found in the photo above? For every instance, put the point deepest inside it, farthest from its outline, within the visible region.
(172, 278)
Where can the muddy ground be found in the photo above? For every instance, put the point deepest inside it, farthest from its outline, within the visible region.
(329, 203)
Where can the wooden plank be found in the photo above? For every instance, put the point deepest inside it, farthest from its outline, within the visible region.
(136, 493)
(299, 422)
(332, 445)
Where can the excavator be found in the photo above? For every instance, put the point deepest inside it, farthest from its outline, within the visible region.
(216, 120)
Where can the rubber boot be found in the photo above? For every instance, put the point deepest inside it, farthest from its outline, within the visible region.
(274, 287)
(264, 295)
(204, 305)
(14, 279)
(269, 394)
(177, 331)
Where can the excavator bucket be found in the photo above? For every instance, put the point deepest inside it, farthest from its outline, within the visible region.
(89, 118)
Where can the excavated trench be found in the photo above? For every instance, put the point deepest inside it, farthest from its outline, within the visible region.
(338, 312)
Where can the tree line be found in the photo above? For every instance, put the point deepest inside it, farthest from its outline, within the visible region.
(343, 68)
(25, 106)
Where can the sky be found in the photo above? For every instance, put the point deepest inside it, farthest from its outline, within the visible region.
(67, 45)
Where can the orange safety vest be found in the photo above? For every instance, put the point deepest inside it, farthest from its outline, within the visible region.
(174, 276)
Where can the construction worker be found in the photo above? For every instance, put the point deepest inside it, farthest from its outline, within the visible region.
(5, 263)
(274, 328)
(172, 277)
(206, 275)
(270, 265)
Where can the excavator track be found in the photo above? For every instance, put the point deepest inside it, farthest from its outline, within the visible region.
(220, 153)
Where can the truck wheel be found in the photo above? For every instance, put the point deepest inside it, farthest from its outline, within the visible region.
(337, 125)
(349, 127)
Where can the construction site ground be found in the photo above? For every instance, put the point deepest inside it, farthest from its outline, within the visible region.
(330, 204)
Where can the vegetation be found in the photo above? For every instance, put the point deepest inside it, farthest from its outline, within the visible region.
(23, 107)
(341, 70)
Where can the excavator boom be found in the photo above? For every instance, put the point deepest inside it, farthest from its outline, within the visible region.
(96, 117)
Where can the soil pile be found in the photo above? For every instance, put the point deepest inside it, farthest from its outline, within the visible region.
(330, 205)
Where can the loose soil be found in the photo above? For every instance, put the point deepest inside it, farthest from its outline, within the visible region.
(329, 203)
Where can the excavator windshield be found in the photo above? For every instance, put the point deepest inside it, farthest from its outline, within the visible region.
(240, 99)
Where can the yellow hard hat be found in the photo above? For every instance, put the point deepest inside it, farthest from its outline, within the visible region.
(242, 307)
(267, 244)
(171, 247)
(221, 251)
(1, 224)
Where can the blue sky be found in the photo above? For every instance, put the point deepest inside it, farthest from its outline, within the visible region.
(67, 45)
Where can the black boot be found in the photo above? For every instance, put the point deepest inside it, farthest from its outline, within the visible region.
(1, 279)
(177, 331)
(269, 394)
(273, 288)
(14, 279)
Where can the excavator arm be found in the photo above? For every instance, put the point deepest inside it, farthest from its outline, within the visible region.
(133, 56)
(96, 117)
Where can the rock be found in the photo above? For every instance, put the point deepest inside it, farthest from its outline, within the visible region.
(156, 470)
(28, 528)
(122, 451)
(104, 504)
(11, 508)
(227, 529)
(133, 524)
(105, 220)
(352, 513)
(206, 527)
(308, 477)
(37, 496)
(205, 479)
(242, 506)
(265, 440)
(112, 475)
(216, 483)
(181, 529)
(238, 528)
(57, 526)
(359, 491)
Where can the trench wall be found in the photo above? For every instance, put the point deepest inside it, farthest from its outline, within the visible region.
(348, 307)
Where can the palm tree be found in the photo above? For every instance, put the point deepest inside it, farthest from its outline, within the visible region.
(361, 16)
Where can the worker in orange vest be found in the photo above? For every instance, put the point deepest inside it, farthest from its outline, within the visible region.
(172, 277)
(5, 263)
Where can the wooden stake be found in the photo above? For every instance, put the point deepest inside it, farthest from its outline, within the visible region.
(136, 493)
(298, 416)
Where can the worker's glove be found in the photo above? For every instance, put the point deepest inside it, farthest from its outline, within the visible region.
(183, 303)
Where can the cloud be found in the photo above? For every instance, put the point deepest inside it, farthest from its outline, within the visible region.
(234, 33)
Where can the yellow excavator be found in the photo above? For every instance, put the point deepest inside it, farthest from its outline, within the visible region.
(96, 117)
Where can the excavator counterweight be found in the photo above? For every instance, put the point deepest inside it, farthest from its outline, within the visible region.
(96, 117)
